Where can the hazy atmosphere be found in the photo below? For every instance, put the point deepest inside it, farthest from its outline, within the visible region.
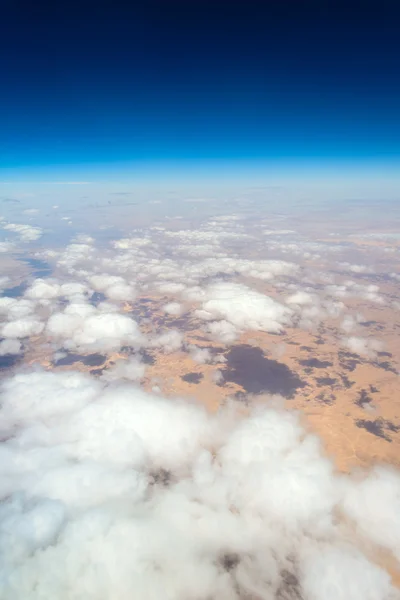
(199, 300)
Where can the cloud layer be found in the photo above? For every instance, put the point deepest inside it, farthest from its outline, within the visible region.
(110, 492)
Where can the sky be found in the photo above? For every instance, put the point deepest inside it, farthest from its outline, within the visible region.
(103, 91)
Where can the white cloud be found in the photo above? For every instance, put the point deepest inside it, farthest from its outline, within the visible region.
(244, 308)
(131, 369)
(10, 347)
(114, 287)
(27, 233)
(173, 308)
(43, 289)
(4, 281)
(222, 331)
(6, 247)
(97, 485)
(82, 327)
(375, 514)
(15, 308)
(21, 328)
(364, 346)
(200, 355)
(169, 341)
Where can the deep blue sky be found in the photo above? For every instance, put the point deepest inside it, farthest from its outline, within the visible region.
(96, 83)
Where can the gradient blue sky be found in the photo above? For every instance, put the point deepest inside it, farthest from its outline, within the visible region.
(101, 90)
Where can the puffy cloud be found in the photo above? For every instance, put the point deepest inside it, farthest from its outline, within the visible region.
(200, 355)
(357, 290)
(332, 572)
(356, 268)
(244, 308)
(114, 287)
(43, 289)
(222, 331)
(128, 243)
(10, 346)
(21, 328)
(170, 287)
(350, 322)
(301, 298)
(132, 369)
(27, 233)
(14, 308)
(375, 514)
(4, 282)
(6, 247)
(80, 326)
(364, 346)
(96, 480)
(173, 308)
(76, 254)
(169, 341)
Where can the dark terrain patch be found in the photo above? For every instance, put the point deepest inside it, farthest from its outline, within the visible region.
(185, 322)
(9, 360)
(161, 477)
(248, 367)
(40, 268)
(15, 292)
(97, 372)
(96, 298)
(192, 377)
(326, 398)
(373, 324)
(325, 381)
(363, 399)
(346, 381)
(314, 363)
(241, 397)
(373, 389)
(349, 360)
(90, 360)
(307, 348)
(378, 427)
(289, 587)
(388, 354)
(146, 357)
(386, 366)
(229, 561)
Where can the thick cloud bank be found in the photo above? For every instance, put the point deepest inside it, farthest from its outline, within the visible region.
(108, 492)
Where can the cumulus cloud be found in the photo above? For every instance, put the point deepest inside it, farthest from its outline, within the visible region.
(10, 346)
(114, 287)
(128, 243)
(244, 308)
(14, 308)
(4, 281)
(96, 486)
(22, 328)
(222, 331)
(169, 341)
(368, 347)
(6, 247)
(200, 355)
(173, 308)
(43, 289)
(83, 327)
(26, 233)
(131, 369)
